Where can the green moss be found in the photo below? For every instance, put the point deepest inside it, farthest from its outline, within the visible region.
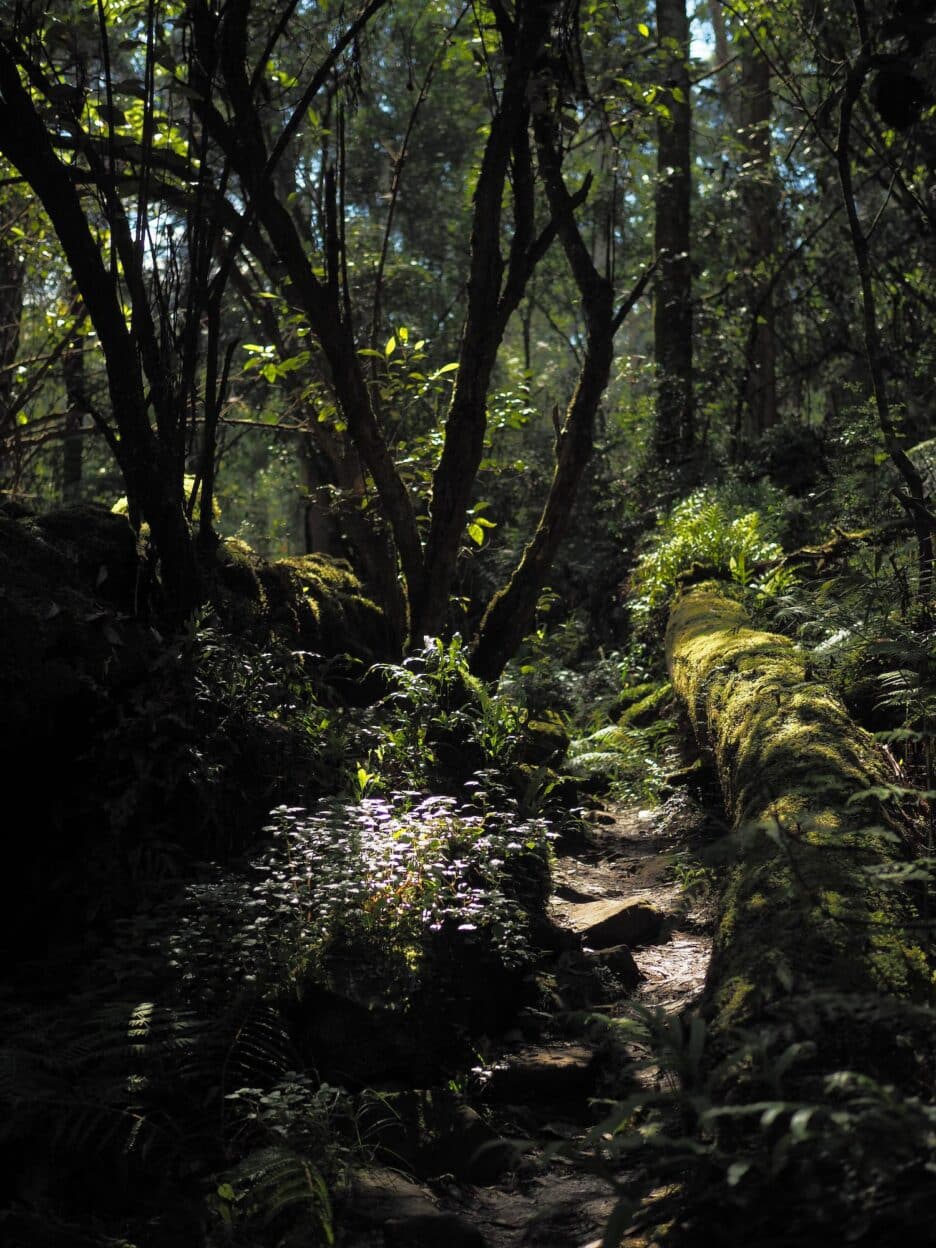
(647, 709)
(323, 603)
(800, 913)
(311, 602)
(544, 742)
(733, 1000)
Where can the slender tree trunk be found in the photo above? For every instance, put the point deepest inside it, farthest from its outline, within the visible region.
(511, 611)
(150, 467)
(672, 314)
(913, 496)
(510, 614)
(465, 424)
(11, 311)
(759, 192)
(76, 395)
(322, 300)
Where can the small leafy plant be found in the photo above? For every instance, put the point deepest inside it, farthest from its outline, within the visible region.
(381, 880)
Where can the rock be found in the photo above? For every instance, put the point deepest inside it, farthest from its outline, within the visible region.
(544, 742)
(618, 921)
(550, 937)
(379, 1195)
(467, 1148)
(433, 1132)
(438, 1230)
(544, 1075)
(102, 547)
(620, 962)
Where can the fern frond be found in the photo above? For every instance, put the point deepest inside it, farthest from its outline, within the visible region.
(273, 1181)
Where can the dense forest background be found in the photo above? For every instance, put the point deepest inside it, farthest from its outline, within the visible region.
(373, 379)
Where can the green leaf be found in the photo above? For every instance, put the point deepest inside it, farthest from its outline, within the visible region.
(226, 1192)
(391, 346)
(644, 29)
(736, 1172)
(446, 368)
(476, 533)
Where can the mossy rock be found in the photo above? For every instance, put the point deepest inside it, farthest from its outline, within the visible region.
(311, 602)
(544, 743)
(101, 546)
(320, 603)
(801, 912)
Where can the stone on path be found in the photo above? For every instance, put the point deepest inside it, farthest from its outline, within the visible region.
(544, 1075)
(382, 1200)
(620, 962)
(616, 921)
(379, 1193)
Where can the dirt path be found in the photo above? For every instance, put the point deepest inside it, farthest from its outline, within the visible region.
(631, 932)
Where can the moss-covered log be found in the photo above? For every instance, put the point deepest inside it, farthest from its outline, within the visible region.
(804, 910)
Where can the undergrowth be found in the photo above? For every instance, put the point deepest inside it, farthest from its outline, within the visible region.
(759, 1140)
(184, 1084)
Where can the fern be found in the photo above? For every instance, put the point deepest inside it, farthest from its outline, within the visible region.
(626, 756)
(708, 529)
(276, 1185)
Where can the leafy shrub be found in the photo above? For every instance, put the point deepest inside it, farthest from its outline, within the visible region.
(379, 879)
(557, 669)
(438, 724)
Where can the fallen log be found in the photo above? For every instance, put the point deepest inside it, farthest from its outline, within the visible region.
(804, 911)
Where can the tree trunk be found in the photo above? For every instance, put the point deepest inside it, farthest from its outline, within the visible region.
(11, 311)
(151, 470)
(73, 369)
(343, 527)
(511, 612)
(802, 912)
(674, 432)
(913, 497)
(759, 195)
(466, 421)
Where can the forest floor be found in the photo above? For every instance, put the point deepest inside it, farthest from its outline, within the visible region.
(551, 1080)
